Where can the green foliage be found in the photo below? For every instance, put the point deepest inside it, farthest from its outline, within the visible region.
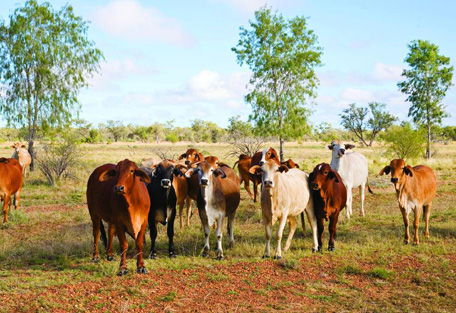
(363, 125)
(381, 273)
(172, 137)
(404, 142)
(325, 132)
(238, 129)
(282, 56)
(426, 84)
(117, 130)
(206, 131)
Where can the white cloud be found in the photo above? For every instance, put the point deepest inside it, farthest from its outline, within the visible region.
(356, 95)
(249, 6)
(132, 21)
(382, 71)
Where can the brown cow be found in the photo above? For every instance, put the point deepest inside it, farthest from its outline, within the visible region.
(10, 184)
(290, 164)
(117, 195)
(23, 156)
(244, 164)
(330, 197)
(415, 190)
(260, 158)
(191, 156)
(218, 197)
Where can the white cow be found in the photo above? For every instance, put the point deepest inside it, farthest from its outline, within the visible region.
(284, 196)
(352, 167)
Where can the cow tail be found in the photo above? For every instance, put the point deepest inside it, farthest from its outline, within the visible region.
(104, 240)
(368, 187)
(234, 165)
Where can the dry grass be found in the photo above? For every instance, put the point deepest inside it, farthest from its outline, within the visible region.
(47, 246)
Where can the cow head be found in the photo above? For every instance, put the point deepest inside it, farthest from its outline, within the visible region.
(127, 173)
(165, 172)
(268, 171)
(290, 164)
(320, 175)
(213, 160)
(399, 171)
(338, 148)
(206, 173)
(17, 145)
(191, 156)
(268, 153)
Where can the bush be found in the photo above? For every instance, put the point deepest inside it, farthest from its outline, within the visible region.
(404, 142)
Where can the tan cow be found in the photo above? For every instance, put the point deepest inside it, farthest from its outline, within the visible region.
(22, 155)
(284, 196)
(415, 190)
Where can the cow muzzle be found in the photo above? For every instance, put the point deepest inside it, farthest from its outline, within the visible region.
(268, 184)
(119, 189)
(165, 183)
(394, 180)
(314, 186)
(204, 182)
(187, 162)
(341, 152)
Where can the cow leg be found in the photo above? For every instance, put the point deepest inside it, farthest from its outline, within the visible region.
(362, 190)
(123, 248)
(416, 224)
(320, 228)
(219, 235)
(231, 230)
(313, 224)
(181, 215)
(255, 191)
(427, 213)
(96, 235)
(189, 209)
(140, 268)
(247, 187)
(111, 233)
(332, 231)
(292, 222)
(282, 223)
(170, 231)
(207, 230)
(349, 201)
(17, 197)
(406, 225)
(153, 238)
(268, 231)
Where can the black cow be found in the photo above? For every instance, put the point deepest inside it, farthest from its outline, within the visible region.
(162, 203)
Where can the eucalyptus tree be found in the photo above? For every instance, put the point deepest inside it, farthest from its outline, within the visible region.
(426, 84)
(46, 58)
(282, 55)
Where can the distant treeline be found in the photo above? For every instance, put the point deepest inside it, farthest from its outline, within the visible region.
(199, 131)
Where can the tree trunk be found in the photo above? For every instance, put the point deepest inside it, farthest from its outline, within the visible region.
(428, 152)
(281, 149)
(31, 150)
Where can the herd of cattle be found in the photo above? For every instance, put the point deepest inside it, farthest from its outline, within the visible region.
(130, 198)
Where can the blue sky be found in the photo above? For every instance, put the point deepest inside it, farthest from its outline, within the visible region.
(172, 59)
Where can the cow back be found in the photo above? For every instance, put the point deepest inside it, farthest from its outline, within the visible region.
(10, 175)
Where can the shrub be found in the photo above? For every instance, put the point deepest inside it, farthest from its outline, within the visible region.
(404, 142)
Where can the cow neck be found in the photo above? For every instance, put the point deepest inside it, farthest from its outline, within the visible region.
(134, 194)
(403, 183)
(335, 164)
(207, 192)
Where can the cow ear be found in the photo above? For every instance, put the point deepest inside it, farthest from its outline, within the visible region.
(182, 156)
(13, 146)
(218, 172)
(386, 170)
(254, 169)
(142, 176)
(197, 157)
(349, 146)
(107, 175)
(408, 170)
(283, 168)
(333, 175)
(23, 146)
(330, 147)
(194, 164)
(4, 160)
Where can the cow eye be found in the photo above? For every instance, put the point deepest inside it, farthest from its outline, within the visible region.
(132, 171)
(326, 173)
(212, 169)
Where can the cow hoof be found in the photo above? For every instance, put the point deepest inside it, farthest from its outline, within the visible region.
(319, 249)
(95, 260)
(220, 257)
(331, 249)
(416, 243)
(172, 255)
(141, 270)
(314, 250)
(266, 256)
(204, 255)
(277, 257)
(122, 272)
(153, 255)
(406, 242)
(110, 258)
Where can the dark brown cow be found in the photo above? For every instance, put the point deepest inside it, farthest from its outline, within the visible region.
(117, 194)
(218, 197)
(244, 164)
(415, 190)
(191, 156)
(290, 164)
(10, 184)
(329, 197)
(260, 158)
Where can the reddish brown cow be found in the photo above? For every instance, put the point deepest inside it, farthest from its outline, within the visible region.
(330, 197)
(244, 165)
(191, 156)
(260, 158)
(290, 164)
(10, 184)
(117, 194)
(415, 190)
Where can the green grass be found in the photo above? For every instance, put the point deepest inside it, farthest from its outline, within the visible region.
(47, 243)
